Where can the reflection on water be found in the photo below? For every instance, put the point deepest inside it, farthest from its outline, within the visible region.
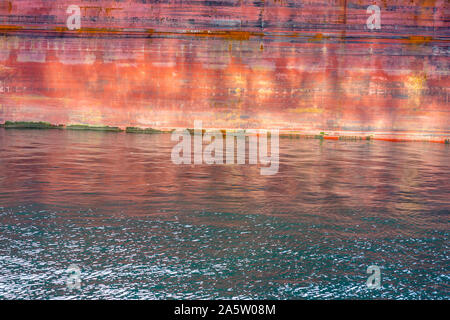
(141, 227)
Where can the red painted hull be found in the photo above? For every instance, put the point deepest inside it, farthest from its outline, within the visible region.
(295, 66)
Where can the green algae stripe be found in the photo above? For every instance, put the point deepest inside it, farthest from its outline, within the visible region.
(92, 128)
(30, 125)
(145, 130)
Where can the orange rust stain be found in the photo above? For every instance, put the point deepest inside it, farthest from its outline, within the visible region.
(318, 37)
(98, 30)
(6, 27)
(419, 39)
(228, 34)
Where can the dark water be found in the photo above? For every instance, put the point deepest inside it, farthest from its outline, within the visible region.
(139, 226)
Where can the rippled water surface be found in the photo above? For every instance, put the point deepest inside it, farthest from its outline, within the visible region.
(139, 226)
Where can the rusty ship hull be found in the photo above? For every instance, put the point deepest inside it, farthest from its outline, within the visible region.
(300, 66)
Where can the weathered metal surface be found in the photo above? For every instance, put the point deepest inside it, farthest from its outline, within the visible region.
(296, 65)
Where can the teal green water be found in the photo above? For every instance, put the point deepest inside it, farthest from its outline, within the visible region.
(140, 227)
